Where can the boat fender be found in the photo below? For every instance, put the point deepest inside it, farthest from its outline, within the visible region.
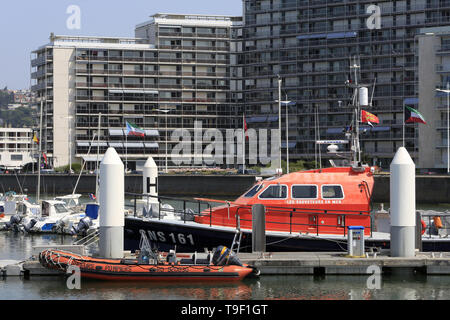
(424, 226)
(437, 222)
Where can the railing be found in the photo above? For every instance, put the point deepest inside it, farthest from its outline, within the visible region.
(312, 215)
(431, 228)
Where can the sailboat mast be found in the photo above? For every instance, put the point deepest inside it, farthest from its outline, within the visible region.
(38, 195)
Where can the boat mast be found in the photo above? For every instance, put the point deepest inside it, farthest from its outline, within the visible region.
(356, 147)
(40, 153)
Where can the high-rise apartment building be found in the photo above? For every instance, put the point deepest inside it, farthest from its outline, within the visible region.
(433, 51)
(175, 73)
(309, 43)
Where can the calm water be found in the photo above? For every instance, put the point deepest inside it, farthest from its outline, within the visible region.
(407, 287)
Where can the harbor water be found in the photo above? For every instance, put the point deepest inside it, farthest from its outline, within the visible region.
(17, 246)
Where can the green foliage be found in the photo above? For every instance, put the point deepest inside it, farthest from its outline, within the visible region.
(18, 118)
(76, 167)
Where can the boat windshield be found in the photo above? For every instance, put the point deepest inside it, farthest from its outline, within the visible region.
(253, 191)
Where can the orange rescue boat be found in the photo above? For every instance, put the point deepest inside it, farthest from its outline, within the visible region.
(168, 269)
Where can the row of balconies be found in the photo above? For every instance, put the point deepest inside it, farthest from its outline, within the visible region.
(149, 98)
(193, 35)
(153, 73)
(155, 59)
(152, 86)
(303, 5)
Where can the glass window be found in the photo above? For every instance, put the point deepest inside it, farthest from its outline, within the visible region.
(253, 191)
(332, 192)
(274, 192)
(304, 192)
(60, 208)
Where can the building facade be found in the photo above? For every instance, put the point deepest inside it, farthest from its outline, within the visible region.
(16, 148)
(309, 44)
(434, 73)
(170, 78)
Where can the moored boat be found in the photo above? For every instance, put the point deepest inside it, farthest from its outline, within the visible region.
(154, 268)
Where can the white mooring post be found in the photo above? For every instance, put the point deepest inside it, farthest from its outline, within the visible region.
(403, 204)
(150, 186)
(112, 205)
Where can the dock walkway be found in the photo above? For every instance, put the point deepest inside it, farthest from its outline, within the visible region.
(322, 263)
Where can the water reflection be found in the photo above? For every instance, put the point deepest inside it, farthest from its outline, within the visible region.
(399, 286)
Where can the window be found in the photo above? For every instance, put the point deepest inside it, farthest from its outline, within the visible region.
(274, 192)
(60, 208)
(253, 191)
(304, 192)
(332, 192)
(16, 157)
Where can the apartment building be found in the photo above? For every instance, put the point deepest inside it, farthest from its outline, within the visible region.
(16, 148)
(309, 43)
(176, 72)
(434, 73)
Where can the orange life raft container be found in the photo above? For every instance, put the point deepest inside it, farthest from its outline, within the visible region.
(131, 269)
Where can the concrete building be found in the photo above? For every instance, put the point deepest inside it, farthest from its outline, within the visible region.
(16, 148)
(309, 43)
(433, 53)
(175, 73)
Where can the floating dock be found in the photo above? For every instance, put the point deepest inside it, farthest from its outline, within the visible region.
(335, 263)
(295, 263)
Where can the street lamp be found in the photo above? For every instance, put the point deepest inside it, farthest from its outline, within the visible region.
(448, 124)
(166, 111)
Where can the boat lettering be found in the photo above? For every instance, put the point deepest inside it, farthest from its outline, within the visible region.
(178, 269)
(314, 201)
(117, 268)
(175, 238)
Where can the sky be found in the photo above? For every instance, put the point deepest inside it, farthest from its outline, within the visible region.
(25, 25)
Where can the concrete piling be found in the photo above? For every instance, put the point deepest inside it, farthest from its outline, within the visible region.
(112, 205)
(150, 186)
(403, 205)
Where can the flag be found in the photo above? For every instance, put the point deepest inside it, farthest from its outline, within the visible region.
(367, 117)
(135, 130)
(92, 196)
(36, 139)
(45, 158)
(412, 115)
(245, 129)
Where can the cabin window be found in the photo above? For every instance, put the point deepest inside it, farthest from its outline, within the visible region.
(304, 192)
(332, 192)
(253, 191)
(60, 208)
(274, 192)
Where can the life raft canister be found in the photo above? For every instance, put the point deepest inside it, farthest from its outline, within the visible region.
(424, 226)
(437, 222)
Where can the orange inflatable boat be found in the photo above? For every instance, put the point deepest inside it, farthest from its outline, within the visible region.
(168, 268)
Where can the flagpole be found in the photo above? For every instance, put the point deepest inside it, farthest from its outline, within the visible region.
(243, 143)
(287, 135)
(448, 127)
(40, 155)
(98, 152)
(404, 123)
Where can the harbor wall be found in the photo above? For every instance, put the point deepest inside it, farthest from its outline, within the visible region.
(429, 189)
